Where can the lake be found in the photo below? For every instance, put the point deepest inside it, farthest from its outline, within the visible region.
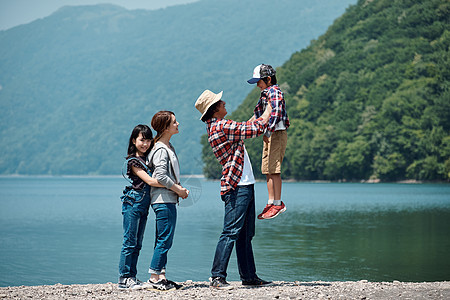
(69, 230)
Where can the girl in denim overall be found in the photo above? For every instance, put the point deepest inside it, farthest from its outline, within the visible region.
(135, 205)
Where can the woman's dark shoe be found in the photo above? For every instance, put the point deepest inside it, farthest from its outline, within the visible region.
(162, 285)
(176, 285)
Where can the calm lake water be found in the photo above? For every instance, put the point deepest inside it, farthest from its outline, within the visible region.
(68, 230)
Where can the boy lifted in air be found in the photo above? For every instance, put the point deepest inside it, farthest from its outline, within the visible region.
(275, 137)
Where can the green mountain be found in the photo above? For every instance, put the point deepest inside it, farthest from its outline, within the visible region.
(369, 99)
(74, 84)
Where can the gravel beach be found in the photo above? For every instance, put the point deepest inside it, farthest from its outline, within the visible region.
(278, 290)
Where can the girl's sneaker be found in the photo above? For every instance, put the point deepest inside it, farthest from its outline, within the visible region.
(129, 283)
(268, 206)
(163, 285)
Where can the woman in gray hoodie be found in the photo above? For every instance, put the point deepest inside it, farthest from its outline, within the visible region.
(163, 161)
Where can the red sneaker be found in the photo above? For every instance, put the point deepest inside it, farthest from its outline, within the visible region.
(268, 206)
(274, 211)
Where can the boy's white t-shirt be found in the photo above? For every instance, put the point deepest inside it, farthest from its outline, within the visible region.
(247, 177)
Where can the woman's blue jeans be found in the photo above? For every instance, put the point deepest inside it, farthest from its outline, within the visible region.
(135, 206)
(239, 228)
(166, 219)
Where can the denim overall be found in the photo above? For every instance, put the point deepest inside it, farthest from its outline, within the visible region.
(135, 206)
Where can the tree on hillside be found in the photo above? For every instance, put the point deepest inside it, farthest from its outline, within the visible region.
(369, 99)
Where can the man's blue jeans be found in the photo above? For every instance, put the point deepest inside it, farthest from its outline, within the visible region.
(135, 206)
(166, 219)
(239, 228)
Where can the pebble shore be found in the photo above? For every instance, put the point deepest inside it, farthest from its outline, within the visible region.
(278, 290)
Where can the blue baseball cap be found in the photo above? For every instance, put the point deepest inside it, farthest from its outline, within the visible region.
(261, 71)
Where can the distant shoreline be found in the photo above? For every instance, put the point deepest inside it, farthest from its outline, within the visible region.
(201, 176)
(279, 290)
(84, 176)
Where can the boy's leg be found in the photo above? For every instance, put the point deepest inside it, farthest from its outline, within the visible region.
(265, 170)
(276, 179)
(270, 187)
(271, 197)
(275, 155)
(274, 186)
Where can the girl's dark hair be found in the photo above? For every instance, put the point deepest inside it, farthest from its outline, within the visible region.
(273, 80)
(146, 133)
(160, 122)
(211, 111)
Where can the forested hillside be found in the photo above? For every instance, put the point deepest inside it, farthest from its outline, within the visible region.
(369, 99)
(74, 84)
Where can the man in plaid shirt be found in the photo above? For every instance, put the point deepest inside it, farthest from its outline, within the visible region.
(226, 138)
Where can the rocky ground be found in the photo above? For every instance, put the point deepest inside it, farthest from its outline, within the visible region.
(279, 290)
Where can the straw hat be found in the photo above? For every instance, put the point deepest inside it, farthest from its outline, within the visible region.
(206, 99)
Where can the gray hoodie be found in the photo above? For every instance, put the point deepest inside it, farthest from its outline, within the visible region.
(163, 162)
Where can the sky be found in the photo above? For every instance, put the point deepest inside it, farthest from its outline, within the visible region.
(17, 12)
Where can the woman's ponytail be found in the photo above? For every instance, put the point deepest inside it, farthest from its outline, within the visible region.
(160, 122)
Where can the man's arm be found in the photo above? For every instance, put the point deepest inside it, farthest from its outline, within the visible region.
(236, 131)
(267, 113)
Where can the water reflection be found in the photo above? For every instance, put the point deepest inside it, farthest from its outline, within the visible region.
(358, 234)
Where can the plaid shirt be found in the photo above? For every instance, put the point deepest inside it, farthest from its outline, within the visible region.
(278, 114)
(226, 138)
